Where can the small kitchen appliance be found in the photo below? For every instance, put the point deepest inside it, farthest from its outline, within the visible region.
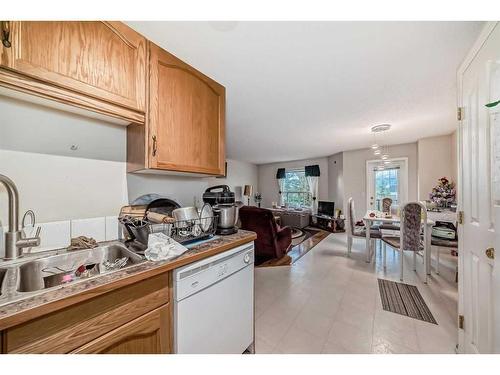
(221, 198)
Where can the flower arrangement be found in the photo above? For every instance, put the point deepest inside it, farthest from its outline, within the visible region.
(443, 194)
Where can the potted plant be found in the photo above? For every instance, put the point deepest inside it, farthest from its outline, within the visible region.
(444, 193)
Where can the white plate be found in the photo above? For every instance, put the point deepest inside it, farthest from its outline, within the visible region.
(206, 217)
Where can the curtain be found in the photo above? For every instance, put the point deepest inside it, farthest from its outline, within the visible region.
(280, 176)
(312, 174)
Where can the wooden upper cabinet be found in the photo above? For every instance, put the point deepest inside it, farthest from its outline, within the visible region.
(103, 60)
(186, 117)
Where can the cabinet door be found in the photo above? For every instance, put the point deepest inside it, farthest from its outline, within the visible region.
(104, 60)
(148, 334)
(186, 117)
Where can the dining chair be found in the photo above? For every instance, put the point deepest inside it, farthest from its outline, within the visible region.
(359, 232)
(386, 208)
(386, 205)
(409, 239)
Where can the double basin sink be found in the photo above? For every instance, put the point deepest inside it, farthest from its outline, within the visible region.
(30, 275)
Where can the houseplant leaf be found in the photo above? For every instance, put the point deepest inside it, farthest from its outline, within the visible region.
(493, 104)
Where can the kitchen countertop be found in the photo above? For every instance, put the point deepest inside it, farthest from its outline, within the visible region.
(19, 310)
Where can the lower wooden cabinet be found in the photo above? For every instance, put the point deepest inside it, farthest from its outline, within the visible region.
(148, 334)
(132, 319)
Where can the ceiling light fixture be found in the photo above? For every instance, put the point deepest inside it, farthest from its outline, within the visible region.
(379, 131)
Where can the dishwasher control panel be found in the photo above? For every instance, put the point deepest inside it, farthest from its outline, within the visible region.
(196, 276)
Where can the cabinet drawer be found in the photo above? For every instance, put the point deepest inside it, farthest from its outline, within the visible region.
(65, 330)
(148, 334)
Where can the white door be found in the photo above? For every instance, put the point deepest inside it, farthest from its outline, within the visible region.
(479, 150)
(391, 182)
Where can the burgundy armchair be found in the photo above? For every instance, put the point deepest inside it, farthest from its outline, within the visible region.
(272, 241)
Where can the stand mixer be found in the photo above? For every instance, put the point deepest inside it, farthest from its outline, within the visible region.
(221, 198)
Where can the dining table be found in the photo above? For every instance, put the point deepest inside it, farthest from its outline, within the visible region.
(372, 217)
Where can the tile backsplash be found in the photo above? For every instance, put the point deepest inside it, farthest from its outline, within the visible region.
(58, 234)
(54, 235)
(94, 227)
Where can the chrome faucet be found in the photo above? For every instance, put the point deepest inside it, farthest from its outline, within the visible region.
(14, 242)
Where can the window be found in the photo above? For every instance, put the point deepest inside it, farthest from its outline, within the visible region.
(296, 189)
(387, 185)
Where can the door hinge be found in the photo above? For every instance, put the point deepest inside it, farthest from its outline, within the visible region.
(460, 218)
(154, 145)
(460, 113)
(461, 321)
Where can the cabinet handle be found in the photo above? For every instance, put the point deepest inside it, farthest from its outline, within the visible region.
(6, 34)
(154, 145)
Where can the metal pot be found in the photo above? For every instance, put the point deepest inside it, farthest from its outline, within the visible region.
(228, 215)
(185, 213)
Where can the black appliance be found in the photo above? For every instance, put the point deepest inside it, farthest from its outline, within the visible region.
(326, 208)
(221, 198)
(220, 194)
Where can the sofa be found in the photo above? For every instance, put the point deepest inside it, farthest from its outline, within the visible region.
(272, 241)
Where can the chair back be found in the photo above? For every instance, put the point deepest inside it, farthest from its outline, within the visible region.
(386, 205)
(351, 216)
(412, 215)
(262, 222)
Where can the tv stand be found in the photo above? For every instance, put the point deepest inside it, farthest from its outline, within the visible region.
(328, 223)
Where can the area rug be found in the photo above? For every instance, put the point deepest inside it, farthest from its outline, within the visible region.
(404, 299)
(300, 235)
(297, 233)
(300, 246)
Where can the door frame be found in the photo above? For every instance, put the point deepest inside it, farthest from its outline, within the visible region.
(476, 47)
(404, 178)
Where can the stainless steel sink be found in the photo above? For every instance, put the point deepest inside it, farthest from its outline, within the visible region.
(72, 266)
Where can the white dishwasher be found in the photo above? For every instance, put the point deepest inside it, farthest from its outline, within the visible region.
(214, 303)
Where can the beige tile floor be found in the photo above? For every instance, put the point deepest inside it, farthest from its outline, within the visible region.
(328, 303)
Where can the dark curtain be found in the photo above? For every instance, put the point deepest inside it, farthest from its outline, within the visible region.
(281, 173)
(312, 170)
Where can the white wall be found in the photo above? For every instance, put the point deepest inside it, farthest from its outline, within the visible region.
(435, 160)
(336, 179)
(268, 185)
(239, 174)
(61, 184)
(188, 191)
(54, 181)
(354, 173)
(63, 187)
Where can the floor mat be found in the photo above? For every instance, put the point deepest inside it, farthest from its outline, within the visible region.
(404, 299)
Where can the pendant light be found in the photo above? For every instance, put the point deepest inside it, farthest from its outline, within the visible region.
(382, 152)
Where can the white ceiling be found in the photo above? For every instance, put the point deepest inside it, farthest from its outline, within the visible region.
(306, 89)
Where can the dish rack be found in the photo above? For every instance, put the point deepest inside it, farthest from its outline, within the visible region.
(187, 231)
(184, 232)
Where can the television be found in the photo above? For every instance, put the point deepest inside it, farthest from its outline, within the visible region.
(326, 208)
